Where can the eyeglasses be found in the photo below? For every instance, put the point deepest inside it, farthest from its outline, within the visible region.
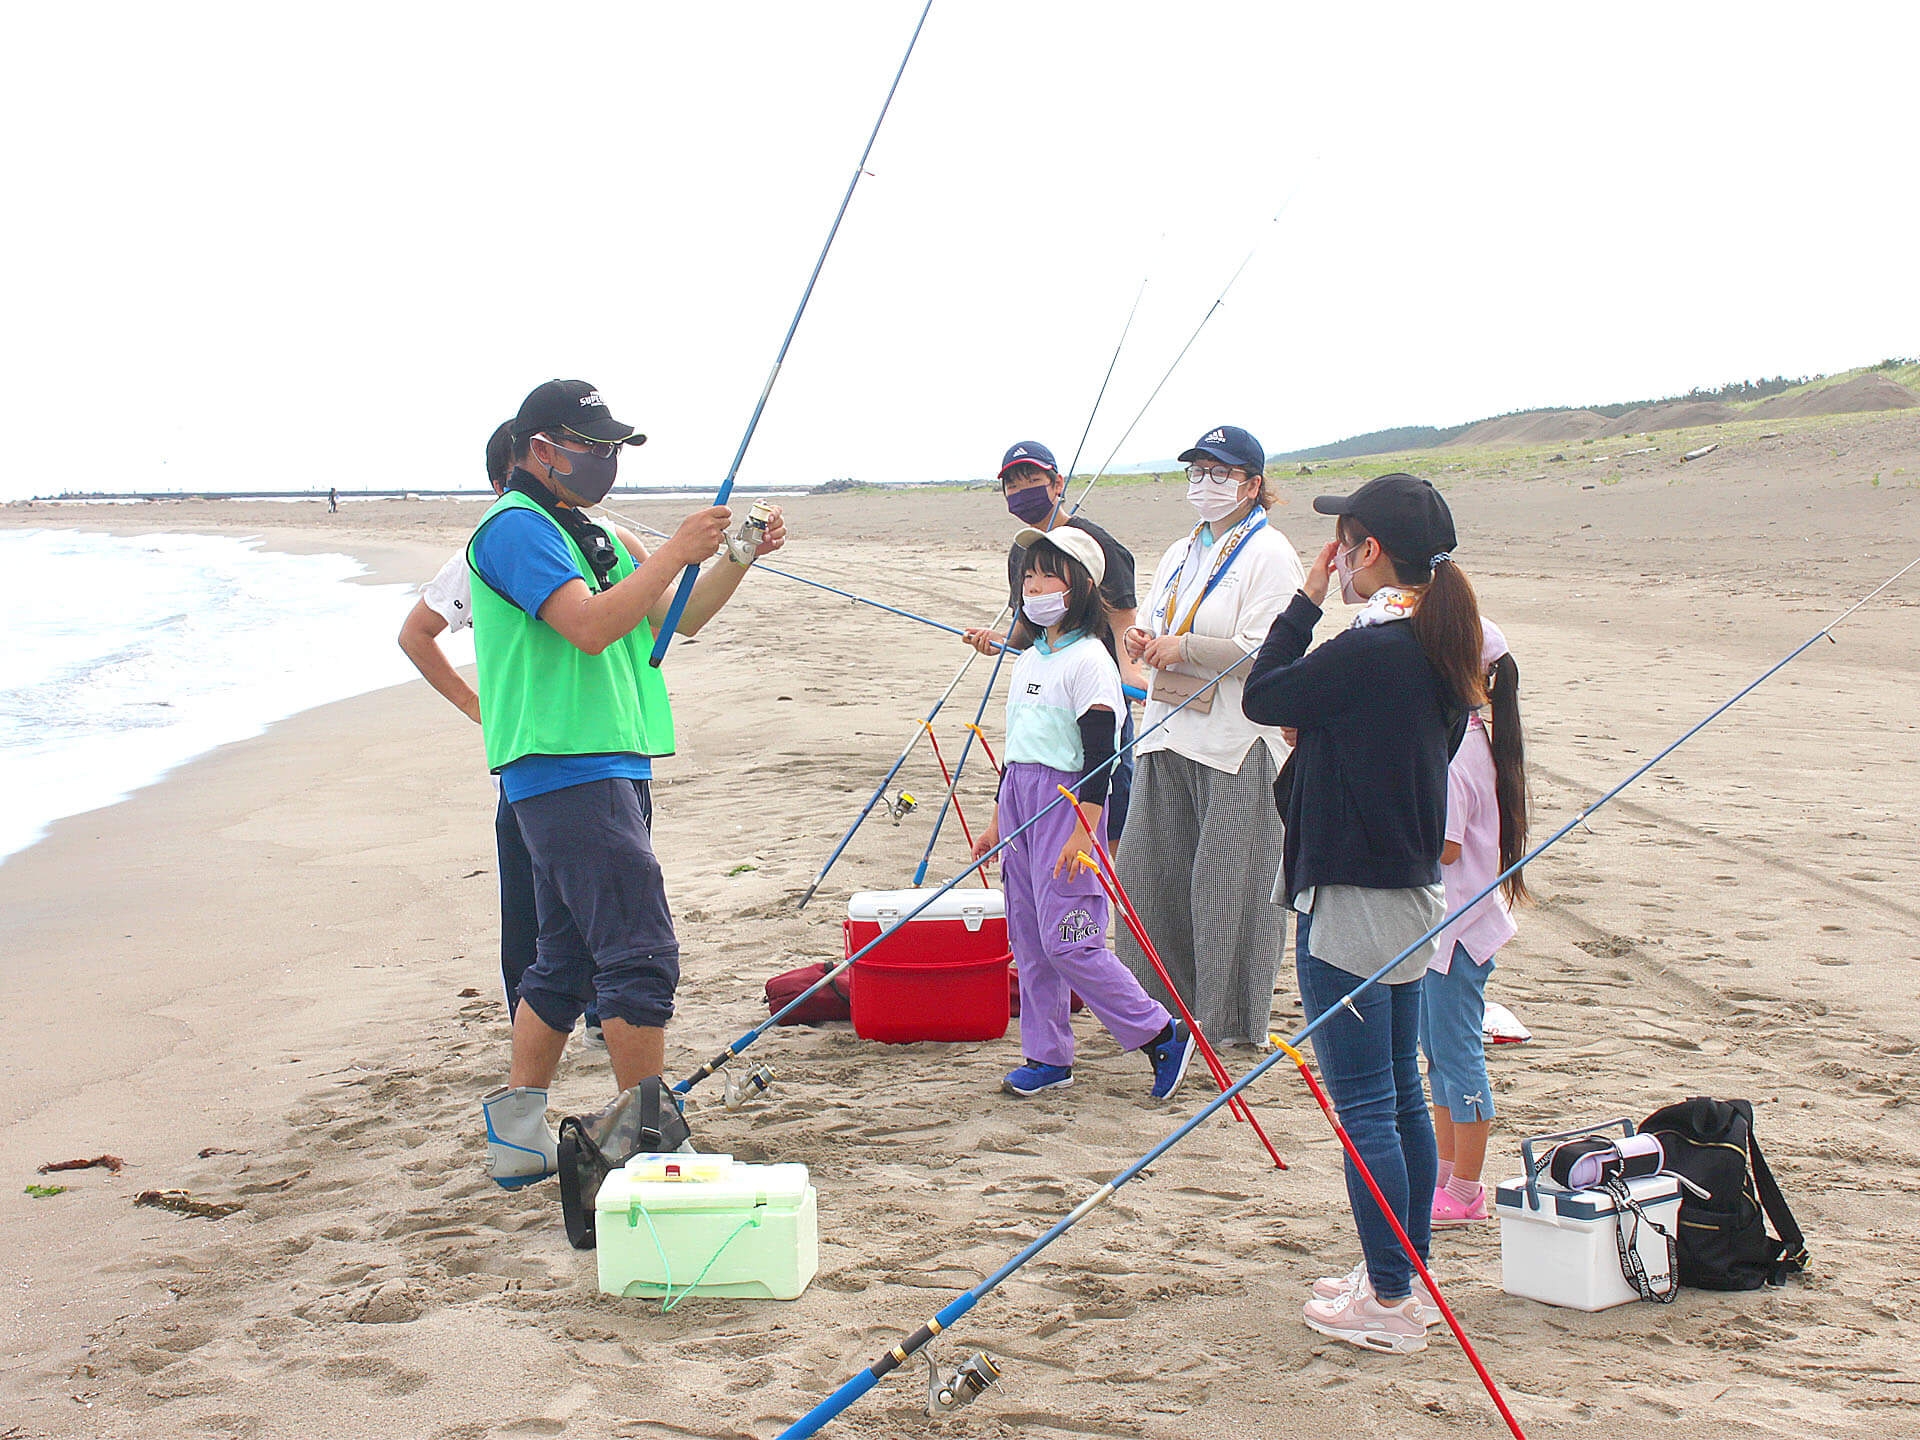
(1211, 472)
(600, 449)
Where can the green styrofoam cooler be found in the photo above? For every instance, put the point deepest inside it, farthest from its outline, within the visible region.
(703, 1225)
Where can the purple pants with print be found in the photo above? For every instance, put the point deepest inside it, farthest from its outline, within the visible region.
(1059, 928)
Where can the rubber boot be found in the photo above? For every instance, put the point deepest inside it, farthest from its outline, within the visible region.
(522, 1146)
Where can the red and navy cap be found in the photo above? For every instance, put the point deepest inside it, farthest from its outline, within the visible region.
(1029, 452)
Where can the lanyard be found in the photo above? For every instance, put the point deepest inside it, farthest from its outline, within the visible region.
(1259, 520)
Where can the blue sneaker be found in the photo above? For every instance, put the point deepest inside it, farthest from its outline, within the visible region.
(1170, 1058)
(1033, 1077)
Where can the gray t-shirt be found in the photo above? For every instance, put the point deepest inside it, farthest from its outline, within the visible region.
(1358, 930)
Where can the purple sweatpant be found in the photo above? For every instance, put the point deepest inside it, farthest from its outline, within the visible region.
(1059, 928)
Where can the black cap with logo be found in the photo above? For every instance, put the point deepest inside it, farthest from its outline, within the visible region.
(1403, 512)
(573, 406)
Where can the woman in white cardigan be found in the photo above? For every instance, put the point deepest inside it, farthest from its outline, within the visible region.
(1203, 821)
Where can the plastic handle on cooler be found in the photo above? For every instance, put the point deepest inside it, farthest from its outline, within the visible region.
(1533, 1166)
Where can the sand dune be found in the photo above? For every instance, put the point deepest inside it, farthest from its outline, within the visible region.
(285, 952)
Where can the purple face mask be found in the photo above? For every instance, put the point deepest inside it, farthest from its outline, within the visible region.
(1032, 505)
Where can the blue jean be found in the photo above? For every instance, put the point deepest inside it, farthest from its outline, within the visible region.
(1452, 1007)
(519, 920)
(1372, 1070)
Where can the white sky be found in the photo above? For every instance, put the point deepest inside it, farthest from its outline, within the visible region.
(272, 245)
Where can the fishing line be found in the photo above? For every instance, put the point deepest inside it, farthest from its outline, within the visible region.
(714, 1065)
(804, 580)
(692, 573)
(945, 1318)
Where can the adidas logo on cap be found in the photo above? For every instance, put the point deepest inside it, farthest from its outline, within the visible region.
(1020, 450)
(1218, 437)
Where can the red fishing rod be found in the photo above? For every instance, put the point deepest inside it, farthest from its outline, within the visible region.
(1102, 869)
(1400, 1234)
(934, 741)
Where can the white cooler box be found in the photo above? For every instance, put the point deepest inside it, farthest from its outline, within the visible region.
(1567, 1252)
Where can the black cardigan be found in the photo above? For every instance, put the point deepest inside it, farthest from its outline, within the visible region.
(1368, 800)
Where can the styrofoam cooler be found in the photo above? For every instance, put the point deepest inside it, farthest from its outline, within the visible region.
(704, 1225)
(1567, 1251)
(941, 976)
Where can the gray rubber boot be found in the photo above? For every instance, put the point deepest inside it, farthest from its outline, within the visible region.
(521, 1145)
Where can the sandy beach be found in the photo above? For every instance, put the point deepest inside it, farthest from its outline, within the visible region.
(271, 980)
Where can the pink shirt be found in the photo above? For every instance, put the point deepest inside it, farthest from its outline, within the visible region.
(1473, 823)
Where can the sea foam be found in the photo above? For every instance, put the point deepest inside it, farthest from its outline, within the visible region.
(127, 656)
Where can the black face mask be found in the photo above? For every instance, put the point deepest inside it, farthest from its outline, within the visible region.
(592, 476)
(593, 541)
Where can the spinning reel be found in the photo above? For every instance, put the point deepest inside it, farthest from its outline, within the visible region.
(742, 1088)
(948, 1393)
(743, 546)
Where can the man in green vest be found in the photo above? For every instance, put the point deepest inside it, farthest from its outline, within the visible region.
(573, 717)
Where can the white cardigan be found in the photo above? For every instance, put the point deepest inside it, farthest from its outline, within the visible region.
(1256, 588)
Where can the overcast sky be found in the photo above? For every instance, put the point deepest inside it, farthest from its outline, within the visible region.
(276, 245)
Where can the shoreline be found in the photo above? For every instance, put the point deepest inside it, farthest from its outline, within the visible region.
(267, 952)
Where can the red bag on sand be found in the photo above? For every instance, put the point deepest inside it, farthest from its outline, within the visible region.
(834, 1000)
(1013, 994)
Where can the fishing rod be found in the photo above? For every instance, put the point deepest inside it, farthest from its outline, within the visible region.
(1400, 1234)
(1108, 874)
(965, 829)
(1218, 301)
(692, 572)
(953, 785)
(887, 779)
(973, 730)
(945, 1318)
(713, 1066)
(804, 580)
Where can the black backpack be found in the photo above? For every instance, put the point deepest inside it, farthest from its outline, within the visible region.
(1723, 1240)
(643, 1120)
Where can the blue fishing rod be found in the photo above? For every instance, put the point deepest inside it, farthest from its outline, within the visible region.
(953, 783)
(680, 597)
(713, 1066)
(926, 728)
(944, 1319)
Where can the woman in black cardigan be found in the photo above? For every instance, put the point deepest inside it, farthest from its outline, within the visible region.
(1380, 709)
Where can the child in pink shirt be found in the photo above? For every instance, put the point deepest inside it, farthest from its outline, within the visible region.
(1486, 832)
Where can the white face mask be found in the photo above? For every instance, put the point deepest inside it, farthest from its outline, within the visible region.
(1343, 567)
(1214, 499)
(1045, 610)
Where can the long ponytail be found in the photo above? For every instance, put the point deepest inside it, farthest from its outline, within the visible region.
(1509, 773)
(1447, 625)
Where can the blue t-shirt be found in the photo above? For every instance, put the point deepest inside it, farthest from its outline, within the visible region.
(526, 559)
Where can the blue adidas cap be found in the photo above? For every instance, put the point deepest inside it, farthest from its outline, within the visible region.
(1230, 445)
(1028, 452)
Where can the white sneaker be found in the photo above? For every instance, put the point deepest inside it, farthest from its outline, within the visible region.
(1362, 1321)
(521, 1145)
(1334, 1287)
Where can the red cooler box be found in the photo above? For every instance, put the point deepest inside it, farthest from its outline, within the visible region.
(942, 976)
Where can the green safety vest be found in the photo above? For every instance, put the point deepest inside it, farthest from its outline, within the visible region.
(540, 694)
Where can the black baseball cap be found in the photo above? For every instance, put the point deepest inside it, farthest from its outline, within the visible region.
(1028, 452)
(1403, 512)
(500, 455)
(575, 407)
(1230, 445)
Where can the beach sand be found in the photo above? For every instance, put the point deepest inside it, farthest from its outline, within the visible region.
(272, 980)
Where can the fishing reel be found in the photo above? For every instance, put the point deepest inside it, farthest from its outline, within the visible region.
(899, 806)
(948, 1393)
(743, 545)
(742, 1088)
